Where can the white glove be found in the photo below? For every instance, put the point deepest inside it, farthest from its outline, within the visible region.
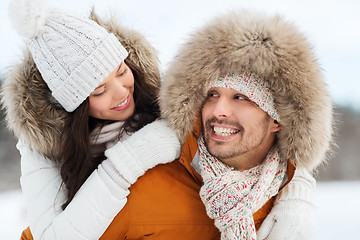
(293, 214)
(153, 144)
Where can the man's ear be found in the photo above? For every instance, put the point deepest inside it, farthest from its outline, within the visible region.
(275, 126)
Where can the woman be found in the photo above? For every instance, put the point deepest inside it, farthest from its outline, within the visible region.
(83, 86)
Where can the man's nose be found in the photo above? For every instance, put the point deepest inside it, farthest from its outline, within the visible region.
(223, 108)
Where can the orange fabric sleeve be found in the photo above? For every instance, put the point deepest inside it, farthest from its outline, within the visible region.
(26, 235)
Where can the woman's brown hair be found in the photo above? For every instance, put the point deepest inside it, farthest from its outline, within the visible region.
(77, 162)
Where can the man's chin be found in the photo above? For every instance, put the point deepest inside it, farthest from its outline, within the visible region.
(218, 151)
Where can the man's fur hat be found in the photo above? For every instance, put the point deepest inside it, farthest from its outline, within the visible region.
(279, 54)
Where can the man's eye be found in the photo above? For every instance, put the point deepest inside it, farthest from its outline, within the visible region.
(213, 95)
(239, 97)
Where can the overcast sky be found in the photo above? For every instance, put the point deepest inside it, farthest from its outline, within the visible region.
(332, 27)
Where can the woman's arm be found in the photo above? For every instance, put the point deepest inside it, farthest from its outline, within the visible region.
(293, 214)
(86, 217)
(102, 195)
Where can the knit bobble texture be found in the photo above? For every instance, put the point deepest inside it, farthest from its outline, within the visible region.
(27, 16)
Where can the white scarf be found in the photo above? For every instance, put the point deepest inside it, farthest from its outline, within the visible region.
(109, 132)
(106, 137)
(231, 196)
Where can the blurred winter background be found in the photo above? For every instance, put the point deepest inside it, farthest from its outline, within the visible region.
(333, 29)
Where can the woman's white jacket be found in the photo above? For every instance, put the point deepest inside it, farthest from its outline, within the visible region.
(86, 217)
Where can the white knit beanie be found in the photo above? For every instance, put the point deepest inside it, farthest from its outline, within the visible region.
(74, 55)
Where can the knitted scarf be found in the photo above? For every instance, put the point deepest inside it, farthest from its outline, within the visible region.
(231, 196)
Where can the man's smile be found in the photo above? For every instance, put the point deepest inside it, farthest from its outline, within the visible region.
(222, 132)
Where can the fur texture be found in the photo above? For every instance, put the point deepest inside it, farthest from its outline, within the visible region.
(34, 115)
(274, 50)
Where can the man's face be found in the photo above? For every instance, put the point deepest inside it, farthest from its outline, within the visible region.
(235, 129)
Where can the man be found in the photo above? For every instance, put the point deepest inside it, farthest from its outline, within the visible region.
(254, 82)
(239, 127)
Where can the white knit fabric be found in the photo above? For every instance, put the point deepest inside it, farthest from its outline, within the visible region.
(74, 55)
(293, 215)
(103, 138)
(153, 144)
(231, 197)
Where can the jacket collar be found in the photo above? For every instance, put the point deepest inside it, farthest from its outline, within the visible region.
(189, 150)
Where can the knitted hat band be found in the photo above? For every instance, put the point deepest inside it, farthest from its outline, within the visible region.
(86, 77)
(252, 87)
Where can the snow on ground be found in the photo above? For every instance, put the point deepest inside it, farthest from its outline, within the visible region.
(338, 210)
(12, 215)
(337, 203)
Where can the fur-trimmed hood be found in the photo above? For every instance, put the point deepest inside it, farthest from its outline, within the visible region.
(34, 115)
(279, 54)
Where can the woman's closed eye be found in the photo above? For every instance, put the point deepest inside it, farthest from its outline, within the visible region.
(122, 73)
(99, 92)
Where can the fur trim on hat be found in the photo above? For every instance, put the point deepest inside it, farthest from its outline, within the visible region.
(279, 54)
(31, 111)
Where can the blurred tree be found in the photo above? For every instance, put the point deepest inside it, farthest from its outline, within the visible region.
(344, 164)
(9, 158)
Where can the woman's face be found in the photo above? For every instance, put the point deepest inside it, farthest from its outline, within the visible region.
(113, 98)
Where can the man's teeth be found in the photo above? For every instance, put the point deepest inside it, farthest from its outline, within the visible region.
(123, 103)
(224, 131)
